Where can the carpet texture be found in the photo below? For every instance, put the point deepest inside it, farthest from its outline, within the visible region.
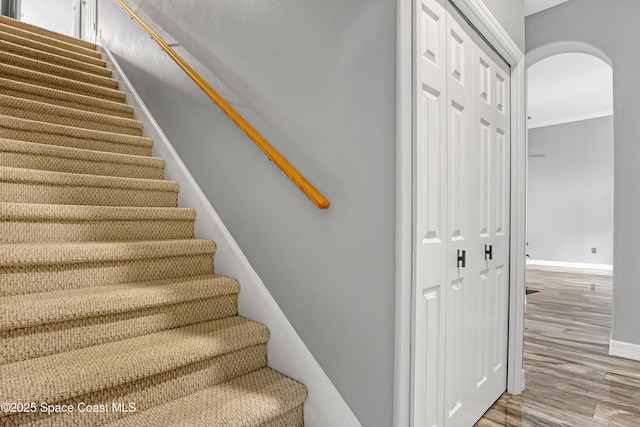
(109, 304)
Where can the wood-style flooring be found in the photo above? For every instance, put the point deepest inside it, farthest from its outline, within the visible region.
(570, 378)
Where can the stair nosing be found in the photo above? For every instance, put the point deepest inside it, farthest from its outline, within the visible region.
(65, 179)
(36, 212)
(34, 126)
(69, 253)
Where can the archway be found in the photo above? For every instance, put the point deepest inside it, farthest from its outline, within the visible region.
(570, 174)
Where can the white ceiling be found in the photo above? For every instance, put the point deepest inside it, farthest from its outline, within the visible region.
(535, 6)
(568, 87)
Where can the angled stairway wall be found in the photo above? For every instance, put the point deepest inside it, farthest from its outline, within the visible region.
(318, 81)
(288, 353)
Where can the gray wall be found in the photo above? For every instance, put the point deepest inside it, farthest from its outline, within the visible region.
(317, 79)
(611, 27)
(510, 15)
(56, 15)
(570, 192)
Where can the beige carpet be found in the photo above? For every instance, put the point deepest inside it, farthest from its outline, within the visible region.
(109, 305)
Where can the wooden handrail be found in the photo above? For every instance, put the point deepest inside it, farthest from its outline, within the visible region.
(305, 186)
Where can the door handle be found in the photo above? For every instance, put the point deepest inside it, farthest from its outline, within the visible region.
(488, 252)
(462, 258)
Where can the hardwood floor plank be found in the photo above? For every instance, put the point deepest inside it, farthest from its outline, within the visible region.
(623, 416)
(570, 378)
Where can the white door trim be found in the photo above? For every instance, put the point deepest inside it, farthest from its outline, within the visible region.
(488, 26)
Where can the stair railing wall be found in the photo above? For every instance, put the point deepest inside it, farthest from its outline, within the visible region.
(287, 169)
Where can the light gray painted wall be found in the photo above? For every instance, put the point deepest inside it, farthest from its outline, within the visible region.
(611, 27)
(318, 80)
(56, 15)
(510, 15)
(570, 192)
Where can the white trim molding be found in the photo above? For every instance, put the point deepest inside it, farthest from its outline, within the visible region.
(605, 267)
(404, 214)
(287, 352)
(623, 349)
(533, 124)
(517, 287)
(480, 16)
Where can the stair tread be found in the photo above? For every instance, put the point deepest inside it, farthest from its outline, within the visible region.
(57, 70)
(13, 145)
(51, 96)
(37, 222)
(49, 33)
(41, 38)
(249, 400)
(8, 174)
(12, 37)
(29, 254)
(54, 58)
(20, 73)
(57, 306)
(55, 114)
(89, 369)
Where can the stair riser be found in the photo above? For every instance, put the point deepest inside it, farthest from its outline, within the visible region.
(293, 418)
(54, 59)
(61, 164)
(155, 390)
(60, 194)
(56, 70)
(44, 47)
(68, 121)
(74, 142)
(50, 230)
(50, 41)
(51, 338)
(64, 99)
(45, 278)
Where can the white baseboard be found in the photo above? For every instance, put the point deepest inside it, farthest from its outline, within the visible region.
(606, 267)
(287, 352)
(624, 349)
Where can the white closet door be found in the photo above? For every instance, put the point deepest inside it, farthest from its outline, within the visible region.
(462, 318)
(431, 212)
(492, 117)
(462, 176)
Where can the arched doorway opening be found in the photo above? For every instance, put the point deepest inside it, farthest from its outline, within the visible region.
(570, 168)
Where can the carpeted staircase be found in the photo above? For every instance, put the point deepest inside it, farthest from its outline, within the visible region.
(108, 302)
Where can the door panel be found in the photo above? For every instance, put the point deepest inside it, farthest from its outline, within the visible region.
(431, 213)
